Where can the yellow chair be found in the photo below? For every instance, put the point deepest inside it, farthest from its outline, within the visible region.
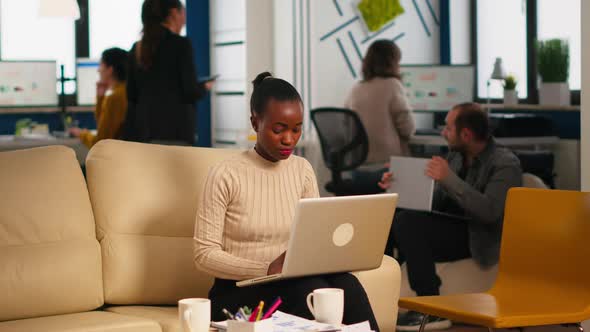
(544, 269)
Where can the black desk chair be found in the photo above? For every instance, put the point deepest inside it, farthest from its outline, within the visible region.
(345, 146)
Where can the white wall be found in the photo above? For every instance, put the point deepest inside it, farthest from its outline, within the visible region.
(585, 107)
(460, 18)
(259, 40)
(284, 44)
(242, 47)
(332, 78)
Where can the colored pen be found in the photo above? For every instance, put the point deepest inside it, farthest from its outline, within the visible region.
(272, 308)
(243, 314)
(228, 314)
(239, 317)
(259, 314)
(254, 314)
(247, 310)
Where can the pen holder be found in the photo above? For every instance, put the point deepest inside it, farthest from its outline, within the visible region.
(260, 326)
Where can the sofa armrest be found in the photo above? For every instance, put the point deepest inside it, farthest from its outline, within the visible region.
(382, 286)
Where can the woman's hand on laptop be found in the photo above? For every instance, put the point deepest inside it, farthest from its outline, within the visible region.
(386, 179)
(276, 266)
(438, 168)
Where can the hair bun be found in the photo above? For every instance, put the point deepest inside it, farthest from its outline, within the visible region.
(261, 77)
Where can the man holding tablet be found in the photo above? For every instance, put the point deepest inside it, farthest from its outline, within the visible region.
(470, 189)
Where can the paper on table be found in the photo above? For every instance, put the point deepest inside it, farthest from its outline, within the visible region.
(290, 323)
(360, 327)
(284, 322)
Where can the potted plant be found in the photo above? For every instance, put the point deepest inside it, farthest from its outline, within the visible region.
(510, 93)
(553, 62)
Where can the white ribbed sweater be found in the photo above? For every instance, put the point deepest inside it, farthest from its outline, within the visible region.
(245, 214)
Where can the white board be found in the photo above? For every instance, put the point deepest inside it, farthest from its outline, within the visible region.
(437, 88)
(28, 83)
(86, 78)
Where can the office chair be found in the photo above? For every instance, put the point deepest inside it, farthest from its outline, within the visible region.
(345, 146)
(543, 270)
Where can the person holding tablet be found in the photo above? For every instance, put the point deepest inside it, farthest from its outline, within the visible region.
(471, 185)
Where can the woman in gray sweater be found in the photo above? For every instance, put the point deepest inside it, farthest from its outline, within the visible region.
(381, 103)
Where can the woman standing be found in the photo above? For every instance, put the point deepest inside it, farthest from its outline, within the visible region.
(380, 101)
(162, 87)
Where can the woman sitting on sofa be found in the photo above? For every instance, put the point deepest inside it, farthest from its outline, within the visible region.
(247, 207)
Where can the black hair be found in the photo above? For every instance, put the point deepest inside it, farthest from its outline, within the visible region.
(153, 14)
(116, 58)
(382, 60)
(267, 87)
(473, 117)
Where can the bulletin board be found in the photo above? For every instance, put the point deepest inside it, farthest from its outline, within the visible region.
(438, 88)
(28, 83)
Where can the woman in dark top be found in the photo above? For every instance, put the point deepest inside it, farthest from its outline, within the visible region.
(162, 88)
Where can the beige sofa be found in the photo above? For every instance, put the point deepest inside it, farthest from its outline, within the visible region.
(115, 254)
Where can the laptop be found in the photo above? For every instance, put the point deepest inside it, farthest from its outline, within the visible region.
(335, 234)
(415, 188)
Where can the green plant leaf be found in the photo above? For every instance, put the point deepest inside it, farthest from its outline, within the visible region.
(553, 60)
(510, 82)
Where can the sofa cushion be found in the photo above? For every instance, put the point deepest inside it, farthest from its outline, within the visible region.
(167, 317)
(145, 199)
(49, 257)
(82, 322)
(382, 288)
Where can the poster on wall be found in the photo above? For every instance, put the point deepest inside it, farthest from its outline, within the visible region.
(28, 83)
(376, 14)
(437, 88)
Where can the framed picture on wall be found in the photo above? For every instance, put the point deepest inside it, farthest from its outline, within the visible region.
(376, 14)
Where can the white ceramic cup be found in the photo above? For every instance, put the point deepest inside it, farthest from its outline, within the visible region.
(328, 305)
(194, 314)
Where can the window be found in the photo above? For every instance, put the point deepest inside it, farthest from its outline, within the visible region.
(114, 23)
(501, 33)
(561, 19)
(26, 36)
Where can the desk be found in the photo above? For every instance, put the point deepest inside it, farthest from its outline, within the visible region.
(536, 142)
(9, 143)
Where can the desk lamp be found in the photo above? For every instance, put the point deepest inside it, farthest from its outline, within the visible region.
(497, 74)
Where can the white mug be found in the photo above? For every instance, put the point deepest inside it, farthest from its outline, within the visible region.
(194, 314)
(328, 305)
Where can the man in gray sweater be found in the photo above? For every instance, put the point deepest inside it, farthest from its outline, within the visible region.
(471, 187)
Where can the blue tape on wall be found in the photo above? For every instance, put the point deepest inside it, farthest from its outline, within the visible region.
(431, 9)
(445, 32)
(385, 28)
(419, 13)
(350, 67)
(337, 5)
(338, 28)
(356, 46)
